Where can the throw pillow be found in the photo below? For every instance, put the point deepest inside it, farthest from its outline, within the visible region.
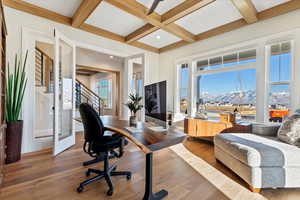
(289, 130)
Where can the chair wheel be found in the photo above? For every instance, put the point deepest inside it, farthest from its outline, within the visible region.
(128, 177)
(110, 192)
(79, 189)
(87, 173)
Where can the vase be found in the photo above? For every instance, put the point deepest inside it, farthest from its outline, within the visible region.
(132, 121)
(14, 132)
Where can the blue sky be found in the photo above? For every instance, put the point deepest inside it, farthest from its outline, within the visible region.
(227, 82)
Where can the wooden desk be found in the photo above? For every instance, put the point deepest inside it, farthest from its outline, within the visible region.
(148, 141)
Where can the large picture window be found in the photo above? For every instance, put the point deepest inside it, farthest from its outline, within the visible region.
(233, 91)
(105, 92)
(280, 66)
(227, 84)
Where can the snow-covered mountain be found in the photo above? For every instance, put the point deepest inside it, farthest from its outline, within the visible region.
(244, 97)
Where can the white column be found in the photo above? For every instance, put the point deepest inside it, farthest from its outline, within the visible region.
(192, 89)
(295, 81)
(261, 85)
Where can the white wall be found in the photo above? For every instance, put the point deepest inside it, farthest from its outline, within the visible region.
(95, 59)
(85, 80)
(266, 28)
(16, 22)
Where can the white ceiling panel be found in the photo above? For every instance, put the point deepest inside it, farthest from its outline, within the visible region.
(163, 6)
(211, 16)
(113, 19)
(66, 8)
(159, 38)
(265, 4)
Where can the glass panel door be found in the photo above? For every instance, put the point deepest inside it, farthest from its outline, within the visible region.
(64, 93)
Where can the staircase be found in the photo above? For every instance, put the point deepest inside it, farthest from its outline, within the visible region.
(85, 95)
(44, 78)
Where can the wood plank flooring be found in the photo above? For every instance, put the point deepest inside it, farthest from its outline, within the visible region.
(39, 176)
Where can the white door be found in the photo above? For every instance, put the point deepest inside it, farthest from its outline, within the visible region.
(64, 93)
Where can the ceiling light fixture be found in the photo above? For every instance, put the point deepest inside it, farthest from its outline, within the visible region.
(111, 57)
(158, 37)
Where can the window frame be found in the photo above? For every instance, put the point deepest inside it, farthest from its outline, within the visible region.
(260, 44)
(237, 67)
(269, 83)
(110, 92)
(177, 114)
(184, 88)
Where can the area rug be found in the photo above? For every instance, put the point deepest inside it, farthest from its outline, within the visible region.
(223, 183)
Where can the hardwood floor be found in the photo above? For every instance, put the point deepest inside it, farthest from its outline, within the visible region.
(39, 176)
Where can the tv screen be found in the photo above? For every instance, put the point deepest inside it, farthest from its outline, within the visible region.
(156, 100)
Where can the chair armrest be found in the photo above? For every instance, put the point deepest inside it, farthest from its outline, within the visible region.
(266, 129)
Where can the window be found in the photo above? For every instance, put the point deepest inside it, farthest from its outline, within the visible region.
(184, 88)
(231, 91)
(137, 83)
(280, 65)
(105, 92)
(228, 60)
(227, 89)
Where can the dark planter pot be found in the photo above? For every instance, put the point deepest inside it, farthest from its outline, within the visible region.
(14, 132)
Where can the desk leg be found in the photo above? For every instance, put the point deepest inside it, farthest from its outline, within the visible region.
(148, 185)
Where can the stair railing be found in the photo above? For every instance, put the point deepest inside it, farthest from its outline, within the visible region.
(85, 95)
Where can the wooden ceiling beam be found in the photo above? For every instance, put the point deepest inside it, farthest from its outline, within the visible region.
(247, 10)
(53, 16)
(38, 11)
(138, 10)
(85, 9)
(101, 32)
(281, 9)
(183, 9)
(141, 32)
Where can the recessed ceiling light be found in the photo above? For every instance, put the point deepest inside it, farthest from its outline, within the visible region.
(111, 57)
(158, 37)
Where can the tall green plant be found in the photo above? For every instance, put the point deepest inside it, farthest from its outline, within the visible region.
(134, 104)
(15, 88)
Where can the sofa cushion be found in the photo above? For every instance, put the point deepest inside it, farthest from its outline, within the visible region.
(265, 129)
(289, 131)
(258, 151)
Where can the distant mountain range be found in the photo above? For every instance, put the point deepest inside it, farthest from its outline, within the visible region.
(244, 97)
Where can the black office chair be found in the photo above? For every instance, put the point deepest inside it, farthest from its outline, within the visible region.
(96, 143)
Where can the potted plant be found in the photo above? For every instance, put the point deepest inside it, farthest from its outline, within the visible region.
(134, 106)
(15, 88)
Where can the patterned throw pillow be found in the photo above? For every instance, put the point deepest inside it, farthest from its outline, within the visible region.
(289, 131)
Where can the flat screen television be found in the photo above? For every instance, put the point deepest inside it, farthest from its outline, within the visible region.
(156, 103)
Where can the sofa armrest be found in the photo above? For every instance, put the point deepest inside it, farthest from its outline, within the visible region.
(265, 129)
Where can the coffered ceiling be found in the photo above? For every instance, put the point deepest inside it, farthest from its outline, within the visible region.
(174, 23)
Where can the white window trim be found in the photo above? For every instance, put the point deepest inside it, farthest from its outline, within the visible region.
(110, 91)
(237, 67)
(268, 83)
(177, 114)
(261, 72)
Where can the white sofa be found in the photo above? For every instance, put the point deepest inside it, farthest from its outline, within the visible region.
(259, 158)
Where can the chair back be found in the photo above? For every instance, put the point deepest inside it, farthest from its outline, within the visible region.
(93, 126)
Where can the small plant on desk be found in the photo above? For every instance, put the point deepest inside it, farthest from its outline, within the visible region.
(134, 106)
